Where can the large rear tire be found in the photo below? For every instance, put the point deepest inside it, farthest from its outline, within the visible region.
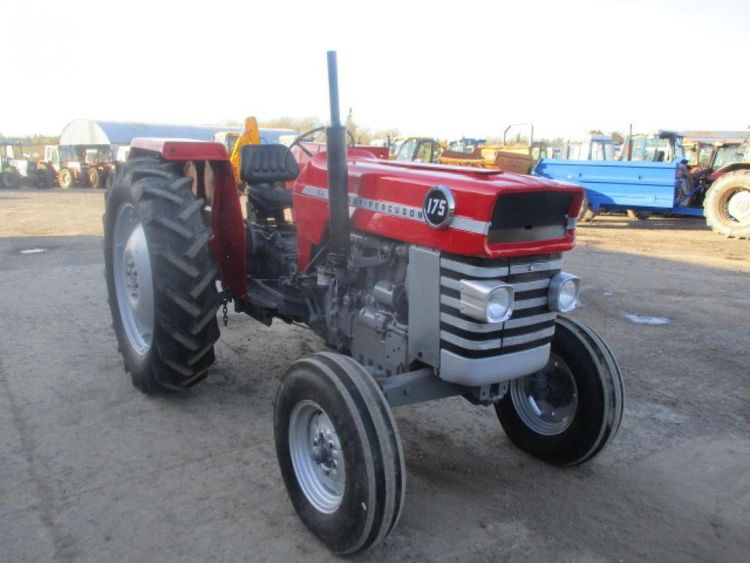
(727, 205)
(161, 276)
(95, 178)
(65, 178)
(339, 452)
(568, 412)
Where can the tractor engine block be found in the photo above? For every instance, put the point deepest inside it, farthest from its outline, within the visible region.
(366, 316)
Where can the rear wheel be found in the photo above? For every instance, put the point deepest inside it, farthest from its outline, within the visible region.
(65, 178)
(568, 412)
(727, 205)
(339, 452)
(44, 179)
(95, 178)
(160, 276)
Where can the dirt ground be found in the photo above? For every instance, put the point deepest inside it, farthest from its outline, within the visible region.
(92, 470)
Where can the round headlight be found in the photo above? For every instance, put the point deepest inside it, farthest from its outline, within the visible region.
(500, 305)
(568, 295)
(563, 292)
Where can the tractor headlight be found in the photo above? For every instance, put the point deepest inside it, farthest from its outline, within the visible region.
(486, 301)
(564, 289)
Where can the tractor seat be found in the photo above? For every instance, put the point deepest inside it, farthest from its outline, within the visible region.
(267, 164)
(268, 198)
(265, 168)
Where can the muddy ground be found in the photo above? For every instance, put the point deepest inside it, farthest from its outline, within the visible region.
(92, 470)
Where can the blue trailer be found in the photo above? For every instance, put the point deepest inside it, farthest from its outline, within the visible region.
(639, 186)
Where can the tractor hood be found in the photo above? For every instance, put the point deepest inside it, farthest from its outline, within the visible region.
(461, 210)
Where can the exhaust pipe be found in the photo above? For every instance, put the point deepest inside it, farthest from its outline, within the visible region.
(338, 176)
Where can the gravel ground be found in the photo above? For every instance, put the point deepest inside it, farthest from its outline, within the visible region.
(92, 470)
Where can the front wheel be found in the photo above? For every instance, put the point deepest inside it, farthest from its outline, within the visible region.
(339, 452)
(569, 411)
(10, 179)
(161, 276)
(727, 205)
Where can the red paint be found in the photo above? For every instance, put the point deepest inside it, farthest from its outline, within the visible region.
(179, 149)
(229, 241)
(475, 191)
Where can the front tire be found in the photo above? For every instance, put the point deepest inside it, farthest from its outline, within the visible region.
(339, 452)
(10, 179)
(160, 276)
(568, 412)
(727, 205)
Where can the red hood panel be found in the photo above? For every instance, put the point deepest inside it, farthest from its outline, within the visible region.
(386, 200)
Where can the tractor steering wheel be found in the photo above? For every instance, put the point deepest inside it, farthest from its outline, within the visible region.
(300, 138)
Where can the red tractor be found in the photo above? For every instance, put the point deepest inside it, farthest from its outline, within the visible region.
(425, 281)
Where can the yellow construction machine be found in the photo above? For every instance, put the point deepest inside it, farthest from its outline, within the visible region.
(235, 140)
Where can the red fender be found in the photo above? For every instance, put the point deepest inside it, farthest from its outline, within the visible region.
(228, 242)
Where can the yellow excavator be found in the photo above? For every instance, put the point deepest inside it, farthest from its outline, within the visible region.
(235, 140)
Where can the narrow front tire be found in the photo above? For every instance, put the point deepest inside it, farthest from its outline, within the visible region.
(569, 411)
(339, 452)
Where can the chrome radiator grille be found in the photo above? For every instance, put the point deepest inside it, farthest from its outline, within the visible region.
(532, 323)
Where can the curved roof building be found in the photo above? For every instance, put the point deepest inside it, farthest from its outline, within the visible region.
(94, 132)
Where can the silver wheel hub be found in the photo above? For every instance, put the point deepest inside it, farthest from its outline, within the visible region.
(133, 279)
(317, 457)
(546, 401)
(738, 206)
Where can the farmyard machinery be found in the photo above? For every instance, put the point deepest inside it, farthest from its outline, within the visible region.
(425, 281)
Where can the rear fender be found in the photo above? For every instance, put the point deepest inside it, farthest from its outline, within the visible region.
(728, 168)
(228, 240)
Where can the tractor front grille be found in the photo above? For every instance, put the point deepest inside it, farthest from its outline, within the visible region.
(530, 216)
(532, 323)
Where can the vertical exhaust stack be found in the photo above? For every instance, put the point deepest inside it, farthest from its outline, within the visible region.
(338, 176)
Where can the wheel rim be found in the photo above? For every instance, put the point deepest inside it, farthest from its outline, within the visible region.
(317, 457)
(546, 401)
(65, 178)
(133, 279)
(737, 206)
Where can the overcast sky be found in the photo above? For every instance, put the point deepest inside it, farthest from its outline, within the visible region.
(428, 68)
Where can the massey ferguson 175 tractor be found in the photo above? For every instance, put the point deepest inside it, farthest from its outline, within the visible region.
(425, 281)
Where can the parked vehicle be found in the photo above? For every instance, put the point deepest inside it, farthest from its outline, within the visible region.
(79, 165)
(424, 282)
(595, 147)
(654, 177)
(727, 191)
(17, 169)
(418, 149)
(10, 179)
(517, 153)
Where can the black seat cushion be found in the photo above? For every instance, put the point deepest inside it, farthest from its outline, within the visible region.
(266, 164)
(268, 198)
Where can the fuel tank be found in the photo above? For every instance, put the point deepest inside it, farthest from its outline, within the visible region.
(460, 210)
